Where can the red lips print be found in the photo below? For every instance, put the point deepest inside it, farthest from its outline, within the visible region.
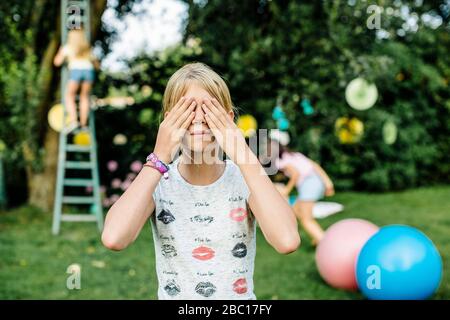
(238, 214)
(203, 253)
(240, 286)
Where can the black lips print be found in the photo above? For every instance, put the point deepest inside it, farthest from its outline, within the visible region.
(166, 217)
(205, 289)
(168, 251)
(239, 250)
(172, 288)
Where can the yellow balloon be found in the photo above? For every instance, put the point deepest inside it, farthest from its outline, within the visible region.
(120, 139)
(356, 126)
(349, 130)
(345, 136)
(55, 117)
(340, 122)
(247, 124)
(82, 139)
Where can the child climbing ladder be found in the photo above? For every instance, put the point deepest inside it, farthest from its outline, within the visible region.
(77, 164)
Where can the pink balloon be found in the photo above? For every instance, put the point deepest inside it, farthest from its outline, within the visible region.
(112, 165)
(338, 250)
(106, 202)
(124, 186)
(113, 198)
(136, 166)
(115, 183)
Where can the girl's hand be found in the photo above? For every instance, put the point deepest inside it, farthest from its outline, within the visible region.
(172, 129)
(329, 189)
(227, 134)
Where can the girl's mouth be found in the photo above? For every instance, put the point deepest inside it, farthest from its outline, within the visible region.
(203, 253)
(201, 133)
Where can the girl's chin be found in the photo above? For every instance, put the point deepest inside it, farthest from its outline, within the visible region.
(200, 146)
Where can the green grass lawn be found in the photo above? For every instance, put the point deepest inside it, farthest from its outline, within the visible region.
(33, 263)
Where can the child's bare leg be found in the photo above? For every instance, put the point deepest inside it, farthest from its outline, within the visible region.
(304, 212)
(84, 102)
(71, 92)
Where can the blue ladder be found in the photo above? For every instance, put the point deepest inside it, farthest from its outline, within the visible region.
(72, 14)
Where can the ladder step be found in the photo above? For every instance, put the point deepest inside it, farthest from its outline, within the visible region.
(79, 165)
(76, 182)
(81, 4)
(75, 199)
(78, 217)
(77, 148)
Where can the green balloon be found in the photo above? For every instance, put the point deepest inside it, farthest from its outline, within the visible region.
(389, 132)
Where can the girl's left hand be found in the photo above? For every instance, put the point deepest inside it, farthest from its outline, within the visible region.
(329, 189)
(228, 135)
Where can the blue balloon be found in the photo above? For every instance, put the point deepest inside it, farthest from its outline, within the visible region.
(283, 124)
(307, 107)
(398, 262)
(277, 113)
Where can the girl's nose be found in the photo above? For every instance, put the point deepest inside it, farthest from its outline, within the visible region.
(199, 114)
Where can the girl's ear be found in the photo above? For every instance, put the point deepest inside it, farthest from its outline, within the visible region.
(231, 115)
(166, 114)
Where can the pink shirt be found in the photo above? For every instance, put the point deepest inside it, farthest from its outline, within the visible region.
(301, 163)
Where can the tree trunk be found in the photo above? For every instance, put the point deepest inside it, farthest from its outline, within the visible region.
(41, 185)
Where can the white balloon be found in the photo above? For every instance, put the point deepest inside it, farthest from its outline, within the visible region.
(360, 94)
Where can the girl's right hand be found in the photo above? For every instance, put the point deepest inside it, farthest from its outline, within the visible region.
(173, 128)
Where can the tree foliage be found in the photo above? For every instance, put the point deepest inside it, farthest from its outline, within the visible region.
(312, 49)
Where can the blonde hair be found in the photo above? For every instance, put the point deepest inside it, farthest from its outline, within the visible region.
(202, 75)
(78, 44)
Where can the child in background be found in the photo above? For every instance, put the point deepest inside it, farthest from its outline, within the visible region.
(81, 63)
(203, 212)
(312, 183)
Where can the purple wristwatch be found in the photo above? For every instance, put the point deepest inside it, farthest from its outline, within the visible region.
(158, 165)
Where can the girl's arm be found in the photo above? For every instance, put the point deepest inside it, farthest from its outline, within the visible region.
(294, 175)
(127, 216)
(329, 187)
(273, 213)
(59, 58)
(95, 61)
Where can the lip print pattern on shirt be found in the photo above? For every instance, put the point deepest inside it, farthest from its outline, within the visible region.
(240, 286)
(165, 216)
(168, 251)
(239, 250)
(238, 214)
(203, 253)
(205, 289)
(172, 288)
